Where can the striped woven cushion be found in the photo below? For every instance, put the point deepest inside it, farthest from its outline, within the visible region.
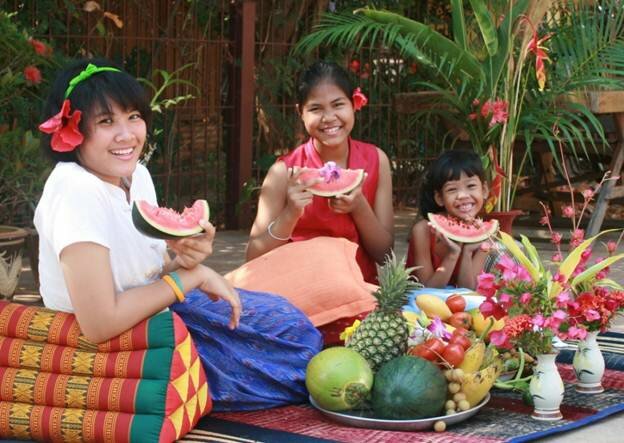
(146, 385)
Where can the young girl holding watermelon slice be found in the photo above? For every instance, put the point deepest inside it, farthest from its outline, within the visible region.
(455, 186)
(95, 263)
(289, 212)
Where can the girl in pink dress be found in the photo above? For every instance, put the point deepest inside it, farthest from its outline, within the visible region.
(454, 185)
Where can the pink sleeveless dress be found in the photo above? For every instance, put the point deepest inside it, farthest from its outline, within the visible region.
(318, 219)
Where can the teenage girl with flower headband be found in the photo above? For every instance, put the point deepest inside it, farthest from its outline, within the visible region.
(455, 185)
(93, 261)
(287, 210)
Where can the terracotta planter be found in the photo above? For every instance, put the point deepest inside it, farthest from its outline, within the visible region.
(505, 219)
(12, 241)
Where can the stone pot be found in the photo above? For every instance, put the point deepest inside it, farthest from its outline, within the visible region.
(12, 241)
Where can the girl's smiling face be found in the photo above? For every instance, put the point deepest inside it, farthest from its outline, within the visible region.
(463, 198)
(328, 115)
(113, 143)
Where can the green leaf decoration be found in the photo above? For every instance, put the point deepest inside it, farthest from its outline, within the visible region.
(591, 272)
(508, 241)
(572, 260)
(486, 25)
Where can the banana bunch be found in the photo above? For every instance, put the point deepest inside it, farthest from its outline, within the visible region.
(482, 367)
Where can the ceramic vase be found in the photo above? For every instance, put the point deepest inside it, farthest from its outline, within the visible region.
(546, 389)
(589, 365)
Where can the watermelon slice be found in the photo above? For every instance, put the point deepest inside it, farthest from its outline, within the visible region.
(462, 231)
(165, 223)
(336, 180)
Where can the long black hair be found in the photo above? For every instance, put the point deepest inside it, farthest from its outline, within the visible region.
(319, 72)
(448, 166)
(90, 95)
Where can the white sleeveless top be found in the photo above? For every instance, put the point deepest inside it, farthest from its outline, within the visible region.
(77, 206)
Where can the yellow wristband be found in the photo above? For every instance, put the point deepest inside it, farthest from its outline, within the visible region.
(176, 290)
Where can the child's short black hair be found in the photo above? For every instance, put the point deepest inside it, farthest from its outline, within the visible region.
(319, 72)
(90, 95)
(448, 166)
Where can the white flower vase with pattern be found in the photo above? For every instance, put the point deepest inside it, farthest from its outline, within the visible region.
(589, 365)
(546, 389)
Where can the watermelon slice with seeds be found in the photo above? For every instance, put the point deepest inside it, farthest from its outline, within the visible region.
(462, 231)
(341, 181)
(165, 223)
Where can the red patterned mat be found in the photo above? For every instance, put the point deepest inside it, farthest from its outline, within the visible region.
(504, 419)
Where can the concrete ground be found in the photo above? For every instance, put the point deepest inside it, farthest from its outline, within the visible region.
(229, 253)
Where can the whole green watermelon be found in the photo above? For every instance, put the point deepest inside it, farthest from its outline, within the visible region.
(408, 388)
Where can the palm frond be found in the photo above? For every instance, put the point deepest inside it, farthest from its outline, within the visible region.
(459, 23)
(411, 39)
(588, 47)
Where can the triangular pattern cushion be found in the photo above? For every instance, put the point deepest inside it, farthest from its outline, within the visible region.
(146, 385)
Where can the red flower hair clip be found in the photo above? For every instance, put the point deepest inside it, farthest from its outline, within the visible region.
(64, 129)
(359, 99)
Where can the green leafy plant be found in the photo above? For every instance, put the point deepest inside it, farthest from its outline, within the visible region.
(160, 84)
(22, 168)
(492, 82)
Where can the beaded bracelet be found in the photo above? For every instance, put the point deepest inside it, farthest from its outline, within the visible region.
(176, 289)
(275, 236)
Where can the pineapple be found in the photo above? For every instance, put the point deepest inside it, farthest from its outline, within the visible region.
(383, 333)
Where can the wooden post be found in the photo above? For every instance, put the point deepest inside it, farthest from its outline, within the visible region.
(608, 188)
(240, 150)
(602, 103)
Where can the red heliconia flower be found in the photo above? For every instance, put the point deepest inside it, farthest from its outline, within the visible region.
(497, 182)
(535, 46)
(32, 75)
(64, 129)
(359, 99)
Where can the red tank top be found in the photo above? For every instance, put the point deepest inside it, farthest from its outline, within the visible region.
(318, 219)
(435, 260)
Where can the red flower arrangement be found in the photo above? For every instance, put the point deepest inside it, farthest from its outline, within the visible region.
(575, 299)
(521, 296)
(64, 129)
(594, 309)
